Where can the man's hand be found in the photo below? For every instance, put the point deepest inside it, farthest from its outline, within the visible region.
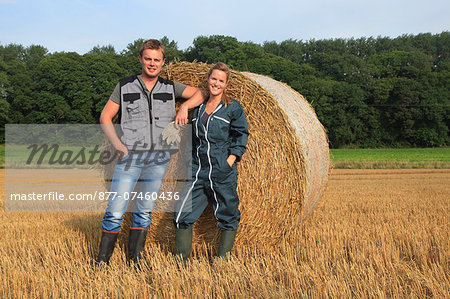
(194, 98)
(121, 149)
(109, 111)
(182, 116)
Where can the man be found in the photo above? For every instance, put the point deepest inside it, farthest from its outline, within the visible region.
(144, 105)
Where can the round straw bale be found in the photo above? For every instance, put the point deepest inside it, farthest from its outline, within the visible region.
(310, 133)
(281, 176)
(284, 171)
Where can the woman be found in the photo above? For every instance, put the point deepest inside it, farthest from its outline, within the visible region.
(220, 134)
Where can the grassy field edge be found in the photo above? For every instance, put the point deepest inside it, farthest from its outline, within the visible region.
(390, 165)
(384, 158)
(391, 158)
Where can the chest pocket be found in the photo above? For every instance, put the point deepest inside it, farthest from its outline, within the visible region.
(164, 103)
(219, 127)
(134, 106)
(164, 97)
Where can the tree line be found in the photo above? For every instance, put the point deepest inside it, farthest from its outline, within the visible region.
(367, 92)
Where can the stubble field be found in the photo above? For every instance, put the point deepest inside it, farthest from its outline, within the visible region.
(375, 233)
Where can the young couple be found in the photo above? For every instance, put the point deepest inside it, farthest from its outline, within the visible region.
(145, 105)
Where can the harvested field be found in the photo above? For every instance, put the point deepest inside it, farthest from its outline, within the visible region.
(375, 233)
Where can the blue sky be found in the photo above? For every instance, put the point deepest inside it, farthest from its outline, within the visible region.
(79, 25)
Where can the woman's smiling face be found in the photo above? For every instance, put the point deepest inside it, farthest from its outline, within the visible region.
(217, 82)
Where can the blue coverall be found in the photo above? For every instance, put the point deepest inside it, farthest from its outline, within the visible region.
(226, 133)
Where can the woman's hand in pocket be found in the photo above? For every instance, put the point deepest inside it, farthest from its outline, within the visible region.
(231, 159)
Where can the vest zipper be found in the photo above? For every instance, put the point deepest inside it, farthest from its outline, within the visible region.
(149, 101)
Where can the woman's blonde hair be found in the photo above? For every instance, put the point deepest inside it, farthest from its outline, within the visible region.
(224, 68)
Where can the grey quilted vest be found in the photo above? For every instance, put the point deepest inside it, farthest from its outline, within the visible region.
(143, 119)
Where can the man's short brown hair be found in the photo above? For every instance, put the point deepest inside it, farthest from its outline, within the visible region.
(153, 44)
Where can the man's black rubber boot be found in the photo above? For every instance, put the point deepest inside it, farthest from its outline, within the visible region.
(226, 243)
(107, 244)
(136, 243)
(183, 243)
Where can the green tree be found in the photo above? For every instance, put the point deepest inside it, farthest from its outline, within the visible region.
(33, 55)
(172, 51)
(66, 77)
(20, 90)
(401, 64)
(366, 91)
(109, 49)
(133, 48)
(104, 71)
(12, 52)
(212, 49)
(4, 112)
(4, 83)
